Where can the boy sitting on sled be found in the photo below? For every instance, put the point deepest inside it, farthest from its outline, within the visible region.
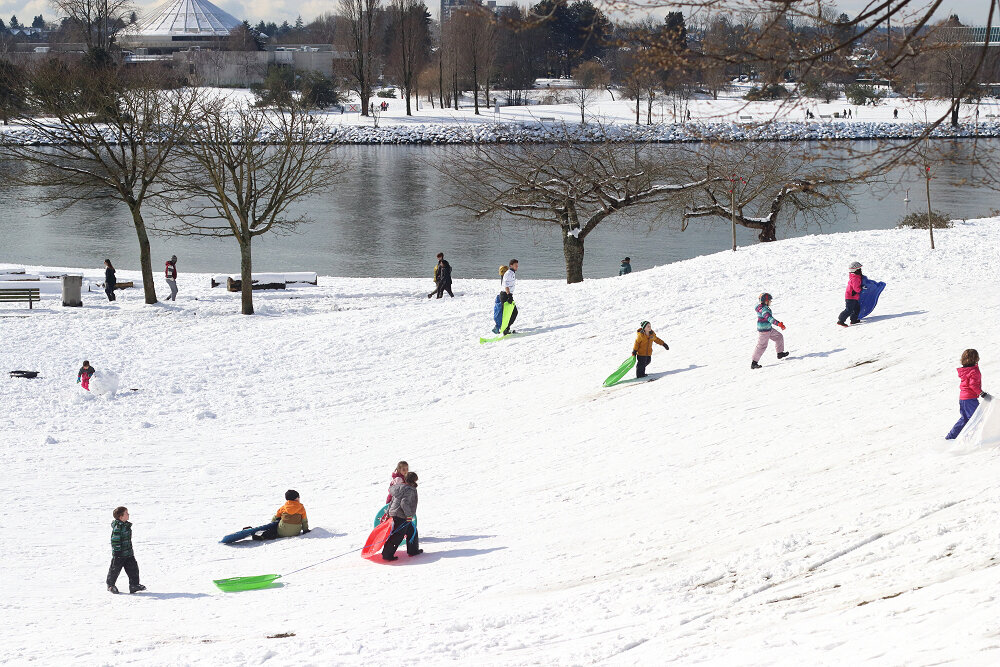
(291, 518)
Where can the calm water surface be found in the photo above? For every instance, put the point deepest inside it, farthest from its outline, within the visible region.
(388, 217)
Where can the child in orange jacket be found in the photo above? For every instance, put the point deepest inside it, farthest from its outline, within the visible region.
(643, 348)
(291, 519)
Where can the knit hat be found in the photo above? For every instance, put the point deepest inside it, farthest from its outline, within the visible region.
(642, 325)
(765, 297)
(291, 495)
(855, 266)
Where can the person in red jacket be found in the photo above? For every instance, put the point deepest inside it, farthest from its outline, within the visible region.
(171, 274)
(970, 388)
(852, 296)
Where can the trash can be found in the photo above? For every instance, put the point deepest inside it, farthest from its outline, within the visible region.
(71, 288)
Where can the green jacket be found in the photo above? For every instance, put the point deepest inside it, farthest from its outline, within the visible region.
(121, 538)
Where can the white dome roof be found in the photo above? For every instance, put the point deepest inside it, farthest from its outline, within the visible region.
(187, 17)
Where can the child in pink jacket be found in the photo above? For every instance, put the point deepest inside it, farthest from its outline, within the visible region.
(852, 296)
(970, 388)
(398, 477)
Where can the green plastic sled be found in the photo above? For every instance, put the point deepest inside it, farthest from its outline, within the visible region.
(234, 584)
(626, 366)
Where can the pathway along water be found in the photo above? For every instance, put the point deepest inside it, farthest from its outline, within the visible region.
(387, 217)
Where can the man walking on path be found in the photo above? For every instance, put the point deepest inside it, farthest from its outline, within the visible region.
(442, 277)
(171, 273)
(507, 280)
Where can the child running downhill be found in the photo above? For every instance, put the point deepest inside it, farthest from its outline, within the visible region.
(765, 333)
(970, 388)
(643, 348)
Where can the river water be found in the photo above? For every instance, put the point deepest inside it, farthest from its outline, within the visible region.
(388, 216)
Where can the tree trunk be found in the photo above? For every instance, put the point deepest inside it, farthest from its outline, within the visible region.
(475, 86)
(649, 110)
(768, 232)
(145, 257)
(441, 80)
(954, 114)
(407, 93)
(246, 276)
(637, 99)
(573, 252)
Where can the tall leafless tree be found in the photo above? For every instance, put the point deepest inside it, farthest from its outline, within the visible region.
(100, 20)
(364, 22)
(408, 21)
(107, 134)
(476, 31)
(244, 170)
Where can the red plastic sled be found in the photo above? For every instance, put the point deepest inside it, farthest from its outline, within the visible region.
(377, 540)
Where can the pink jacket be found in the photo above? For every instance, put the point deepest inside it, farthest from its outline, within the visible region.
(853, 287)
(399, 479)
(971, 385)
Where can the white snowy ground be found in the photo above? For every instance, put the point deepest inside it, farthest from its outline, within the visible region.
(804, 513)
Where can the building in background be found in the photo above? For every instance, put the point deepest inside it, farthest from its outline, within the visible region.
(177, 25)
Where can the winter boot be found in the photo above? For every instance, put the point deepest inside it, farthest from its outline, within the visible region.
(390, 557)
(782, 355)
(113, 589)
(138, 588)
(841, 324)
(496, 330)
(754, 364)
(419, 551)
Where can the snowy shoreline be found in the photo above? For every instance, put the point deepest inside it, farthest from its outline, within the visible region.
(541, 132)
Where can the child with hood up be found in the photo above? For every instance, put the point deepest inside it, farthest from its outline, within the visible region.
(970, 388)
(642, 350)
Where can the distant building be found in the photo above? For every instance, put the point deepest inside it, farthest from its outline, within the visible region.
(177, 25)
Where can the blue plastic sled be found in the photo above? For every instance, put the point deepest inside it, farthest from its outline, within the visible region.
(381, 513)
(246, 532)
(870, 292)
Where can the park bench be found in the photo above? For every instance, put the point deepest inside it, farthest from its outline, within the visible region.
(745, 117)
(544, 118)
(826, 116)
(20, 295)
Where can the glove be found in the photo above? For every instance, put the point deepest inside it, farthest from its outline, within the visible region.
(78, 380)
(665, 347)
(780, 325)
(634, 353)
(985, 396)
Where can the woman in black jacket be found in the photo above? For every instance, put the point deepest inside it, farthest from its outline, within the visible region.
(109, 280)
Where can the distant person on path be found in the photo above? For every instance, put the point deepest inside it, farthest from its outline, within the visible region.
(852, 295)
(86, 372)
(508, 276)
(122, 555)
(442, 277)
(109, 280)
(398, 477)
(291, 518)
(171, 273)
(626, 267)
(642, 350)
(895, 113)
(765, 332)
(970, 388)
(401, 510)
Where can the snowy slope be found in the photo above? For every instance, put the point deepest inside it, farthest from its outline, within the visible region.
(805, 513)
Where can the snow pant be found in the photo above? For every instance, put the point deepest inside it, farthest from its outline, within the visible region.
(85, 382)
(442, 288)
(641, 361)
(965, 407)
(397, 535)
(269, 533)
(853, 310)
(131, 569)
(172, 284)
(110, 291)
(763, 337)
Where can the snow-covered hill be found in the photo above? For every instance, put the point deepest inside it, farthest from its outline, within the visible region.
(805, 513)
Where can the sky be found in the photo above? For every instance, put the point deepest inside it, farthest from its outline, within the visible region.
(969, 11)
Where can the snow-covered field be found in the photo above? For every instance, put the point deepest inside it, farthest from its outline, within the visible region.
(552, 116)
(805, 513)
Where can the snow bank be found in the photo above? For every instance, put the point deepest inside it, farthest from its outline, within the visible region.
(796, 514)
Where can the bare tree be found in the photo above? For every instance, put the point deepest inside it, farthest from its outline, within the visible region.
(753, 185)
(99, 20)
(411, 43)
(364, 20)
(476, 32)
(107, 134)
(244, 170)
(572, 186)
(591, 78)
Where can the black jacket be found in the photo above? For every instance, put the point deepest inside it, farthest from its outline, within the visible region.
(109, 278)
(444, 272)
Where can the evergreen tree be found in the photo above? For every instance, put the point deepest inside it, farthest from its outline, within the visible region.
(14, 25)
(38, 22)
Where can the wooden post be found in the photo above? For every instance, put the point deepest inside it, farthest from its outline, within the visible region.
(732, 207)
(930, 222)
